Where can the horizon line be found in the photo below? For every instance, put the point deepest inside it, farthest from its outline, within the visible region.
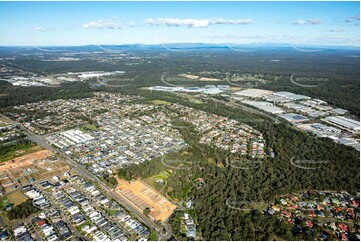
(189, 43)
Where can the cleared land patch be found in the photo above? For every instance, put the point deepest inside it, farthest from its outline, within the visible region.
(19, 150)
(16, 197)
(30, 168)
(142, 196)
(25, 160)
(158, 181)
(160, 102)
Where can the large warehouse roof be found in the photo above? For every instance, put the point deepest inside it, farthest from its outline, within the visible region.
(344, 122)
(293, 117)
(254, 92)
(291, 95)
(265, 106)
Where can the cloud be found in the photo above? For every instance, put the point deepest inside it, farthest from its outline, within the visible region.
(40, 29)
(337, 30)
(132, 24)
(253, 38)
(355, 18)
(195, 23)
(308, 22)
(102, 24)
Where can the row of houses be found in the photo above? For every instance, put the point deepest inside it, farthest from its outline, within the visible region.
(336, 213)
(223, 132)
(7, 185)
(37, 197)
(122, 141)
(131, 223)
(190, 226)
(81, 201)
(21, 233)
(52, 116)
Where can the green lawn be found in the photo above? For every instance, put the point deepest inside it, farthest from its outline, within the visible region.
(111, 212)
(84, 224)
(4, 122)
(195, 101)
(89, 127)
(4, 201)
(161, 175)
(153, 235)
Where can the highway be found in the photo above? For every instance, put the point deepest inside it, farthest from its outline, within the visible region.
(87, 174)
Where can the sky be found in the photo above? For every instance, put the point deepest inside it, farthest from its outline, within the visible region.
(113, 23)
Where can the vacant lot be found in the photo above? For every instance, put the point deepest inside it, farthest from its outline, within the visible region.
(39, 165)
(26, 159)
(141, 196)
(16, 197)
(19, 150)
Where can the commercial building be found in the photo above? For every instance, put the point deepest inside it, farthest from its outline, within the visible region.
(345, 123)
(265, 106)
(166, 88)
(212, 91)
(293, 118)
(339, 111)
(193, 89)
(254, 93)
(224, 87)
(277, 99)
(292, 96)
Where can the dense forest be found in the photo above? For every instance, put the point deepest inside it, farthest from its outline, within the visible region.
(275, 176)
(338, 67)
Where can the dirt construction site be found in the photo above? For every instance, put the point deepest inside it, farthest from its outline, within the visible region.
(141, 196)
(34, 167)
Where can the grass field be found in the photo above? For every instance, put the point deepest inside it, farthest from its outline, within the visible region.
(4, 122)
(85, 224)
(160, 102)
(4, 201)
(111, 212)
(195, 101)
(152, 181)
(16, 197)
(4, 218)
(89, 127)
(153, 235)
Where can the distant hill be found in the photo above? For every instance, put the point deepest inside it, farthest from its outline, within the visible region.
(170, 46)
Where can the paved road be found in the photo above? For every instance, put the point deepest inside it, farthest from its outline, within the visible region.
(85, 173)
